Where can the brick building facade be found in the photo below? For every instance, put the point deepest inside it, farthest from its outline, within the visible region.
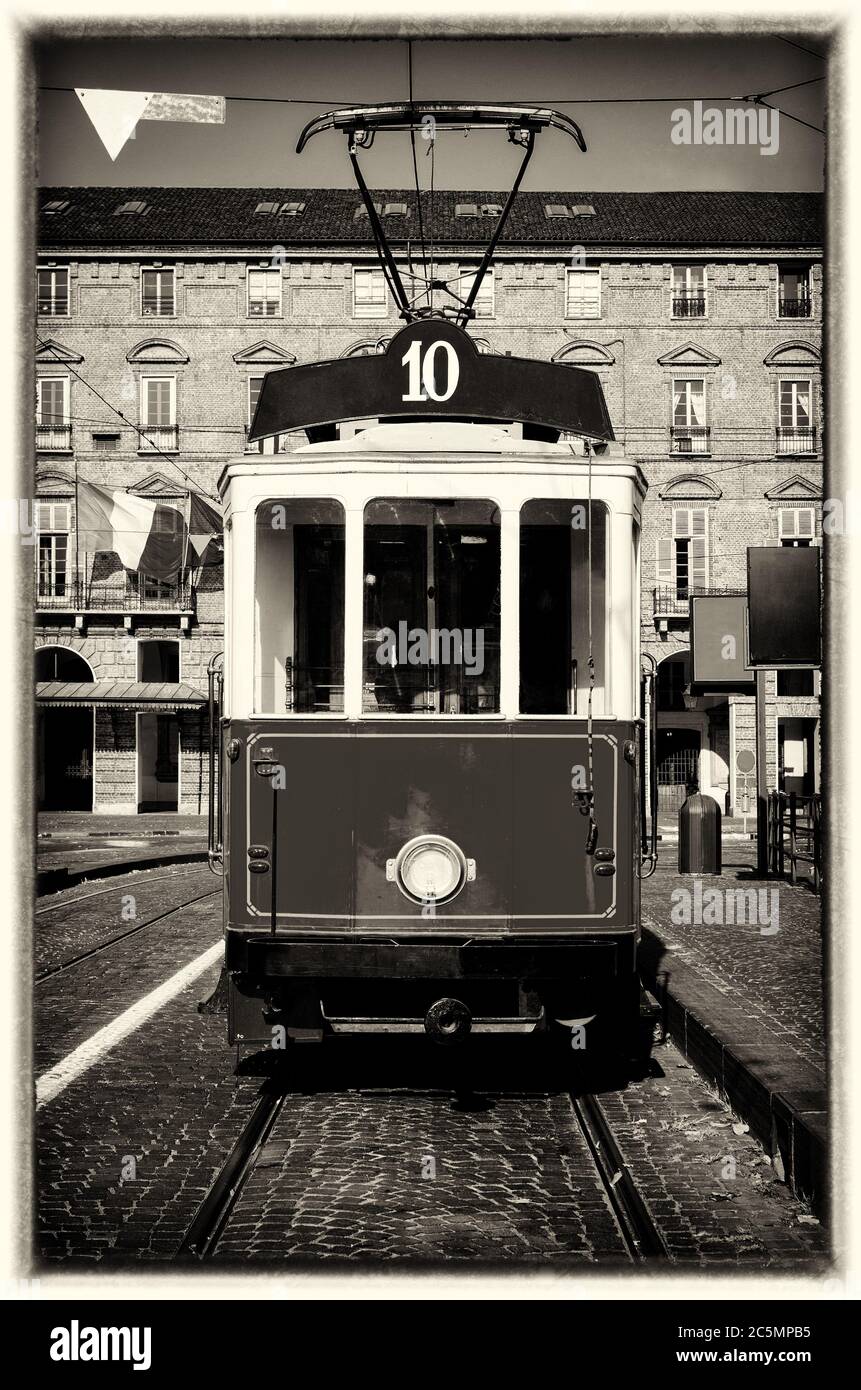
(701, 314)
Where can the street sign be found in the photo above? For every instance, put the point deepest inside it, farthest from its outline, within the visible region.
(745, 761)
(432, 368)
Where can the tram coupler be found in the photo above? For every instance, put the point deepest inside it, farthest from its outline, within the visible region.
(448, 1021)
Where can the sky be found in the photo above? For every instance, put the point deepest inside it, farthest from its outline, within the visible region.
(629, 145)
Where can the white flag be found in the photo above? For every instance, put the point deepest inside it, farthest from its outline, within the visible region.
(114, 114)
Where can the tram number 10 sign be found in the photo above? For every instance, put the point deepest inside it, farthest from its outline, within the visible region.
(432, 368)
(423, 379)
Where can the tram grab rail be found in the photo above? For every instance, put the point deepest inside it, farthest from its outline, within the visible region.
(215, 807)
(793, 818)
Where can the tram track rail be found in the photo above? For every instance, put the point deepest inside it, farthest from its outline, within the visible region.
(212, 1216)
(639, 1232)
(53, 971)
(101, 892)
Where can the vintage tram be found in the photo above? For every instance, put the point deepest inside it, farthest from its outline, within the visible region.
(428, 801)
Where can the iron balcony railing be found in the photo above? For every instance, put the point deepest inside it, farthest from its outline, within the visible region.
(54, 439)
(690, 439)
(794, 308)
(796, 440)
(72, 593)
(669, 601)
(158, 438)
(689, 305)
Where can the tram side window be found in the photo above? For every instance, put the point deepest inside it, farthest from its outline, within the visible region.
(299, 607)
(554, 616)
(431, 607)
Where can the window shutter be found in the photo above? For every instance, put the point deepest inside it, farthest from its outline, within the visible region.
(699, 547)
(665, 561)
(681, 523)
(52, 516)
(786, 523)
(805, 523)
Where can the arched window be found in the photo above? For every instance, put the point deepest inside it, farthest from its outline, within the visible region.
(61, 664)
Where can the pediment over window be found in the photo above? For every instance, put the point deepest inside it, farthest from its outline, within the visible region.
(795, 354)
(689, 355)
(158, 350)
(690, 485)
(264, 354)
(157, 485)
(52, 351)
(798, 487)
(584, 354)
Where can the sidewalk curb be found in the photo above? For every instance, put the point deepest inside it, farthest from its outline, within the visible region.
(55, 880)
(781, 1097)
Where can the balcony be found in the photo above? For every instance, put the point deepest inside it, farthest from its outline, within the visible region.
(670, 602)
(275, 444)
(121, 593)
(794, 308)
(690, 439)
(689, 305)
(163, 439)
(54, 439)
(796, 440)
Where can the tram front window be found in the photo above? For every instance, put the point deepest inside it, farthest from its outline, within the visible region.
(554, 608)
(431, 607)
(300, 607)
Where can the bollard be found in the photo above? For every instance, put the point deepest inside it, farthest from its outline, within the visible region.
(699, 835)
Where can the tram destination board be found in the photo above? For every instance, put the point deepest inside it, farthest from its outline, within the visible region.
(432, 368)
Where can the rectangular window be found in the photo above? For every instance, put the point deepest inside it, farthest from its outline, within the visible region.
(793, 292)
(264, 294)
(689, 551)
(370, 300)
(554, 606)
(299, 607)
(795, 429)
(483, 303)
(52, 529)
(52, 292)
(431, 608)
(274, 444)
(157, 294)
(52, 402)
(689, 291)
(583, 294)
(795, 683)
(158, 401)
(690, 434)
(796, 525)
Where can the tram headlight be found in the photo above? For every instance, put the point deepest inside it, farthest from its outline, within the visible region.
(430, 868)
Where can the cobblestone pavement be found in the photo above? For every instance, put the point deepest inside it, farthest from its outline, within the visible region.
(80, 841)
(373, 1171)
(84, 917)
(384, 1149)
(777, 978)
(71, 1006)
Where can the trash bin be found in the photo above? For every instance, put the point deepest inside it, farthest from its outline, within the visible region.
(699, 835)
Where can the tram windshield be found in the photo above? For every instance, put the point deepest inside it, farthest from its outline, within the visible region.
(300, 607)
(431, 607)
(555, 541)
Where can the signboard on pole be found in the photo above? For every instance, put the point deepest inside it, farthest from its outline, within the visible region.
(784, 606)
(718, 645)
